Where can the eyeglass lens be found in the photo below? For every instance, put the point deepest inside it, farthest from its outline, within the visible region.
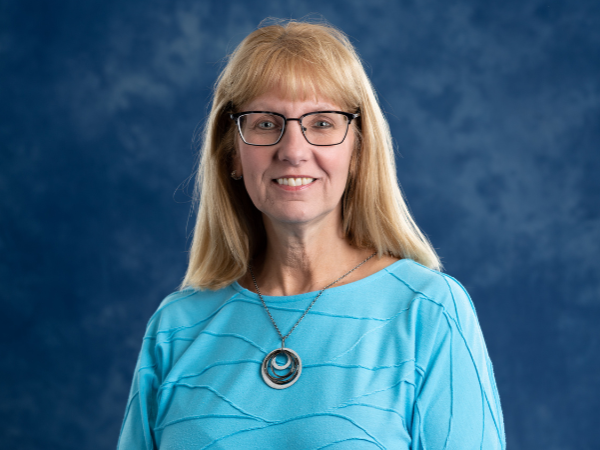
(318, 128)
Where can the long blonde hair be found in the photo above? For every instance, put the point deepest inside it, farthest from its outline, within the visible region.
(301, 60)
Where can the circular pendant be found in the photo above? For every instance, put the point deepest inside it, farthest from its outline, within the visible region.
(281, 376)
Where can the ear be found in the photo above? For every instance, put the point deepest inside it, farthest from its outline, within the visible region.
(236, 163)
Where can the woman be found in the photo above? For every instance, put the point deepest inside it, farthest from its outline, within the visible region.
(312, 314)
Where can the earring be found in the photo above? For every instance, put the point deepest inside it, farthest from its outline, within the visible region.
(235, 177)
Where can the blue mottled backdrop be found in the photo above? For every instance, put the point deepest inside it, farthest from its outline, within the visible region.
(495, 110)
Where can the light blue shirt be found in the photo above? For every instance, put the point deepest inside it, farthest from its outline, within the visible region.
(393, 361)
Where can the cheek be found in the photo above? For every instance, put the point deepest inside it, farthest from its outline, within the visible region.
(254, 165)
(338, 164)
(249, 160)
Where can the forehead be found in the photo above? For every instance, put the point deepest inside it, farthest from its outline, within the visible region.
(277, 101)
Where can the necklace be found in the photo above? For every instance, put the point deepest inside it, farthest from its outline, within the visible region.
(281, 376)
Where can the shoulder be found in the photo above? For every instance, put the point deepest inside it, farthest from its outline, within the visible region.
(187, 307)
(446, 293)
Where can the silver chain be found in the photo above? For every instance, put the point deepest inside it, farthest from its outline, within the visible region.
(283, 338)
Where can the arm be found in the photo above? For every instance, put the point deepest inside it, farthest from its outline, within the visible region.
(137, 431)
(457, 405)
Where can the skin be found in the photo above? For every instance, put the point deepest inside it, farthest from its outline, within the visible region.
(306, 249)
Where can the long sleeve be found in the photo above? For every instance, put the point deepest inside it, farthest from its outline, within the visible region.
(457, 407)
(140, 415)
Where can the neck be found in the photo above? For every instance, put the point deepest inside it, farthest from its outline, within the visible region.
(304, 258)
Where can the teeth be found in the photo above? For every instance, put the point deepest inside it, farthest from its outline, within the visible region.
(295, 181)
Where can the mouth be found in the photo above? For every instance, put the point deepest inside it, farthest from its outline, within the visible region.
(294, 181)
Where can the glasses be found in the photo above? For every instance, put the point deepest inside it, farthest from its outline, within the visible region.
(320, 128)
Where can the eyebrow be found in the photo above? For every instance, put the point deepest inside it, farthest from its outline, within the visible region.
(319, 107)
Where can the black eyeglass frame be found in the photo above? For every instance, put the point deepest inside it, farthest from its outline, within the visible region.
(236, 117)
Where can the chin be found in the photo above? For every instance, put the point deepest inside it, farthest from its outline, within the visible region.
(292, 218)
(296, 215)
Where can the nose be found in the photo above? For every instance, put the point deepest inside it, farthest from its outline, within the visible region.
(293, 147)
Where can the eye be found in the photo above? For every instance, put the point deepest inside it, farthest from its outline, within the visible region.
(266, 125)
(322, 124)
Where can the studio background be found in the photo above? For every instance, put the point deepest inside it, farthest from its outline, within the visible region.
(495, 112)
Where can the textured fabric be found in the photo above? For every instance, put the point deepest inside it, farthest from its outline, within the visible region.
(393, 361)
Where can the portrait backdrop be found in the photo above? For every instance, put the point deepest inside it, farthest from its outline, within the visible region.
(495, 112)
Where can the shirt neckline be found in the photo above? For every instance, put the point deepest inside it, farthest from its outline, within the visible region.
(338, 289)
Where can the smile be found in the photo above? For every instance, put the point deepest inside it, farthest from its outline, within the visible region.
(295, 181)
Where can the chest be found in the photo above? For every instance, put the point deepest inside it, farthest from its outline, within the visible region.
(356, 388)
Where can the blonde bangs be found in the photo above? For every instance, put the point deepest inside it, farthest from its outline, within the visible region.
(303, 65)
